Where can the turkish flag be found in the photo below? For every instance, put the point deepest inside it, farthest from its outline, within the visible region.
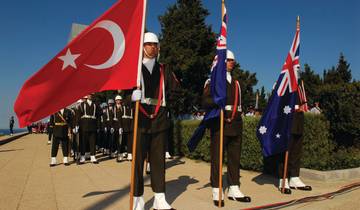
(105, 56)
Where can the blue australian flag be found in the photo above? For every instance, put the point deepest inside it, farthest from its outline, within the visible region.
(274, 129)
(217, 86)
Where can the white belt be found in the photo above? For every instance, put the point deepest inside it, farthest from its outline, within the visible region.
(88, 117)
(151, 101)
(230, 108)
(127, 117)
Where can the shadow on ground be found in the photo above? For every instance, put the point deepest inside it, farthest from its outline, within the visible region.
(178, 186)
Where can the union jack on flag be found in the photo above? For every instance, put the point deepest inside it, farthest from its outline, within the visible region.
(274, 128)
(291, 67)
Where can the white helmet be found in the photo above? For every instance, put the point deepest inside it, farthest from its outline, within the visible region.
(110, 101)
(118, 97)
(150, 38)
(230, 55)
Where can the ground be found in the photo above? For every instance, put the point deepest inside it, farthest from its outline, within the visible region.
(27, 182)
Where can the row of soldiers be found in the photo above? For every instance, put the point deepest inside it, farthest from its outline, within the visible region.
(87, 127)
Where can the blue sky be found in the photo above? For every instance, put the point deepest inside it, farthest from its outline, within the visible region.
(259, 32)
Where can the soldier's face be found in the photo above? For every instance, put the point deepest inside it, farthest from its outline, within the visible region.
(151, 50)
(230, 64)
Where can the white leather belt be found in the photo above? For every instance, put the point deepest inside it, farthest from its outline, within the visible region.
(230, 108)
(150, 101)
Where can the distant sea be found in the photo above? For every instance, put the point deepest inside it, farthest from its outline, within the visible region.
(7, 131)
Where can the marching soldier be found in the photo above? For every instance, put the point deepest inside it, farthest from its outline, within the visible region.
(61, 122)
(295, 153)
(157, 85)
(233, 125)
(88, 113)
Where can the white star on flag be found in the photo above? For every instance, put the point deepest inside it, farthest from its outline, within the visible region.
(69, 59)
(287, 110)
(262, 130)
(278, 136)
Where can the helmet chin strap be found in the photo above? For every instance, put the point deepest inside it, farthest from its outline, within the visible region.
(147, 55)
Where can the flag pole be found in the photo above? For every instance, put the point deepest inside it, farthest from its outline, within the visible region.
(221, 129)
(287, 151)
(136, 117)
(305, 99)
(285, 171)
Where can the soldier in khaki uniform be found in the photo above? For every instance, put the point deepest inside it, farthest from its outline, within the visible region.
(233, 126)
(295, 153)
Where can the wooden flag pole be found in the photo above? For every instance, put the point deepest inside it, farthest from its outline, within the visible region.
(287, 151)
(285, 172)
(221, 154)
(134, 154)
(136, 117)
(221, 128)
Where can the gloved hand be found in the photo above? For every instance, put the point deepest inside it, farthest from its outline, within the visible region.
(120, 130)
(76, 129)
(105, 129)
(112, 130)
(136, 95)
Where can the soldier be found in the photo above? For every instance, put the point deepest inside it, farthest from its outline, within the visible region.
(88, 113)
(157, 87)
(102, 130)
(50, 132)
(295, 153)
(233, 125)
(128, 125)
(61, 122)
(109, 127)
(117, 127)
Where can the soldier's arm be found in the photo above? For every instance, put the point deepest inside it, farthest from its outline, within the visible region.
(206, 100)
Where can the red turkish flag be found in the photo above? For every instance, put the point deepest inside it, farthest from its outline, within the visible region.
(105, 56)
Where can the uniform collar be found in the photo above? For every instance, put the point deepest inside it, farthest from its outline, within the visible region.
(228, 77)
(149, 63)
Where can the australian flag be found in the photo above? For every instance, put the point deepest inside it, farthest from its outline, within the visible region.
(217, 85)
(274, 129)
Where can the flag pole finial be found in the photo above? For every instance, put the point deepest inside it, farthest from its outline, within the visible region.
(298, 22)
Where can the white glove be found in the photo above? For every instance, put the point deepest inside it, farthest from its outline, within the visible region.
(120, 130)
(76, 129)
(136, 95)
(112, 130)
(105, 129)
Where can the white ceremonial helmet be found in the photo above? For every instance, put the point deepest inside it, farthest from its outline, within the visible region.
(151, 38)
(110, 101)
(118, 97)
(230, 55)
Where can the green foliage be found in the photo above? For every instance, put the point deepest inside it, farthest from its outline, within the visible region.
(247, 81)
(319, 151)
(262, 99)
(340, 74)
(317, 145)
(312, 84)
(340, 104)
(187, 48)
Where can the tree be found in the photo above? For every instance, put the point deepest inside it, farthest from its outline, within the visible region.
(312, 84)
(262, 98)
(187, 48)
(340, 74)
(340, 104)
(247, 81)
